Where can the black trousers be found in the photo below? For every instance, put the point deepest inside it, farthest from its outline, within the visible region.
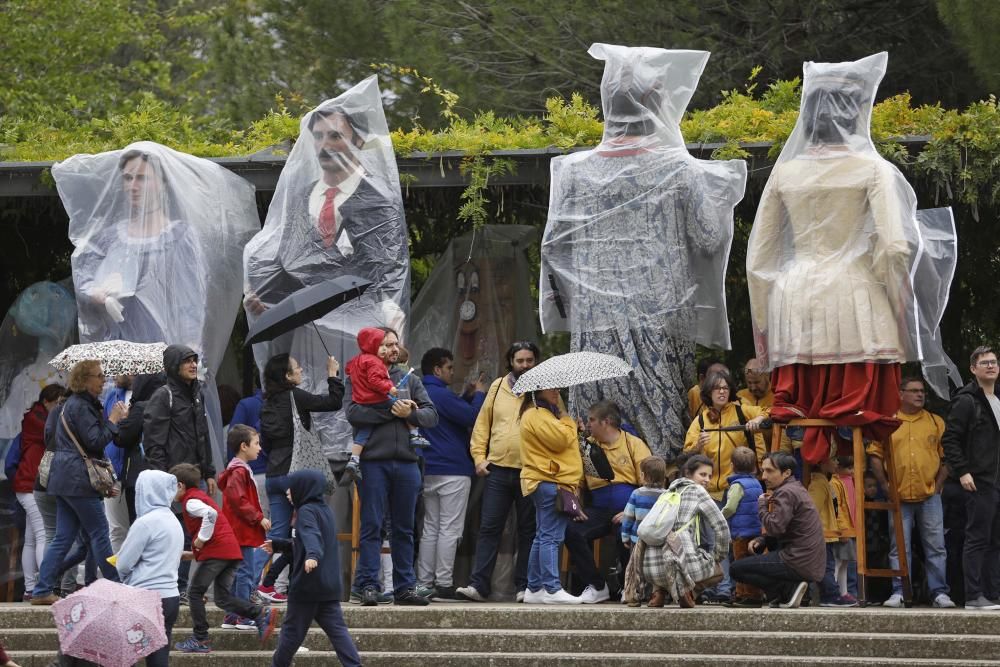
(768, 573)
(299, 616)
(579, 537)
(503, 490)
(981, 558)
(221, 573)
(161, 656)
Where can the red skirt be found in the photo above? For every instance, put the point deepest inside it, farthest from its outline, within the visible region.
(862, 394)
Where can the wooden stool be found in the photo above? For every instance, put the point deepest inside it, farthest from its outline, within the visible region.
(354, 537)
(860, 459)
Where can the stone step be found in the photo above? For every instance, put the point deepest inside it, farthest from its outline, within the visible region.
(409, 659)
(588, 642)
(617, 617)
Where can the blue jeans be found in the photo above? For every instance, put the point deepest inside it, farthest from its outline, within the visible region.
(723, 589)
(281, 520)
(543, 560)
(72, 514)
(393, 486)
(929, 516)
(248, 573)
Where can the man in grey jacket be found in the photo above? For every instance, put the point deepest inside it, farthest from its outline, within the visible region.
(391, 481)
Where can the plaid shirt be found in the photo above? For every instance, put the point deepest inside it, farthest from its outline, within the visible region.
(678, 573)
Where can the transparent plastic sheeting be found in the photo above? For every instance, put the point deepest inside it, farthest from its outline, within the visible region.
(835, 242)
(337, 210)
(477, 301)
(931, 283)
(639, 231)
(159, 238)
(638, 235)
(40, 323)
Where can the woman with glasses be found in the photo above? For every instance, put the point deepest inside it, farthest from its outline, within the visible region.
(78, 504)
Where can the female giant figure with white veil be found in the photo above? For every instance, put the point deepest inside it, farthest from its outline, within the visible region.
(636, 244)
(830, 262)
(158, 238)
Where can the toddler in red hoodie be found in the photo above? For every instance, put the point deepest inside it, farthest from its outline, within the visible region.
(241, 506)
(218, 554)
(371, 385)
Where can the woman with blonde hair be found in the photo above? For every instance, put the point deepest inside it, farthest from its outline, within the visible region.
(78, 504)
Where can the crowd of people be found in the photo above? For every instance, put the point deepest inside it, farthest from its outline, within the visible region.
(737, 524)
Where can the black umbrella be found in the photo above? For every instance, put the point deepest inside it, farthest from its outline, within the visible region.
(304, 306)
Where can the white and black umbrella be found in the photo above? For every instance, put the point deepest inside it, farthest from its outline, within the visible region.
(117, 357)
(569, 369)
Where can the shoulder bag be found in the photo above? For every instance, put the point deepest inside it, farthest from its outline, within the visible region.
(100, 471)
(307, 450)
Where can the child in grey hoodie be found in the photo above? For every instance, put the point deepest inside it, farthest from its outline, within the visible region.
(151, 553)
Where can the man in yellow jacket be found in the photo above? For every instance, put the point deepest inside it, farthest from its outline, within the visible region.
(496, 452)
(920, 471)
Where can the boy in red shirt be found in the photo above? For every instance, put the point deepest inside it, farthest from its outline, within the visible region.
(218, 553)
(241, 507)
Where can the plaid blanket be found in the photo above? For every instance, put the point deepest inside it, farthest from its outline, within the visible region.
(679, 572)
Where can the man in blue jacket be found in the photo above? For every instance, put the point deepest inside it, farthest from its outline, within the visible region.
(448, 471)
(116, 508)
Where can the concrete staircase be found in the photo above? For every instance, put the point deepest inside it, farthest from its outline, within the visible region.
(449, 635)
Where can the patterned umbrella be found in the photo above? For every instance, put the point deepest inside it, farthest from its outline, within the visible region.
(117, 357)
(111, 624)
(566, 370)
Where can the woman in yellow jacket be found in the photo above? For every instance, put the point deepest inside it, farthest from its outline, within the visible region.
(550, 458)
(718, 412)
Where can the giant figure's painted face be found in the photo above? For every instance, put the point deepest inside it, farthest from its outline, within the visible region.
(486, 321)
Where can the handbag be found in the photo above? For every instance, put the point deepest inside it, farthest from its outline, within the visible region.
(100, 471)
(44, 466)
(595, 461)
(307, 451)
(568, 503)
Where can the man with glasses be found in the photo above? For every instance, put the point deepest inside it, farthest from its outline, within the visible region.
(971, 443)
(496, 452)
(920, 473)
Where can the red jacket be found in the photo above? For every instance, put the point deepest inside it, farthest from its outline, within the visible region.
(240, 503)
(369, 375)
(32, 448)
(223, 544)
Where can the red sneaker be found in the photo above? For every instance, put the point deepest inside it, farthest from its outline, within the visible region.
(268, 593)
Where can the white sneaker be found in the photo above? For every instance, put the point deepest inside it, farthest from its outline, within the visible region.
(591, 595)
(469, 593)
(538, 597)
(896, 600)
(519, 597)
(302, 649)
(560, 597)
(942, 601)
(797, 595)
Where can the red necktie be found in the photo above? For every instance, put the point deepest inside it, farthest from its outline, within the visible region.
(327, 221)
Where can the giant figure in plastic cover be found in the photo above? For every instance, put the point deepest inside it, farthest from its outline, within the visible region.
(636, 244)
(830, 262)
(159, 238)
(477, 301)
(38, 326)
(337, 210)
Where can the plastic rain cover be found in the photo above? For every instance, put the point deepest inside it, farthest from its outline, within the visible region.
(337, 210)
(159, 238)
(931, 283)
(638, 235)
(477, 301)
(39, 324)
(835, 239)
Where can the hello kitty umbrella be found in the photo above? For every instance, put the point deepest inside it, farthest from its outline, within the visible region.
(111, 624)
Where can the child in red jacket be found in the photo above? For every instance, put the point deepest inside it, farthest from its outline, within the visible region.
(371, 385)
(218, 554)
(241, 507)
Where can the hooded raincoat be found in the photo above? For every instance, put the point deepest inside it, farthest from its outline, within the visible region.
(151, 553)
(337, 210)
(174, 426)
(635, 248)
(369, 374)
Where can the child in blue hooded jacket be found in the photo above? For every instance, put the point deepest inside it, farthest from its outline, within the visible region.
(151, 553)
(314, 588)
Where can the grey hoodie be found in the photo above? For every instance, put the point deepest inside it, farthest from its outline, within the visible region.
(152, 551)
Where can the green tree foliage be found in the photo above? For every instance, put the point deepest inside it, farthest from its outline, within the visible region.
(974, 26)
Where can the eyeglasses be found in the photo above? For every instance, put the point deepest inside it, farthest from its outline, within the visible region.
(987, 363)
(726, 389)
(99, 375)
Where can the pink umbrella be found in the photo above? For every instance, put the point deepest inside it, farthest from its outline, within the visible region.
(111, 624)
